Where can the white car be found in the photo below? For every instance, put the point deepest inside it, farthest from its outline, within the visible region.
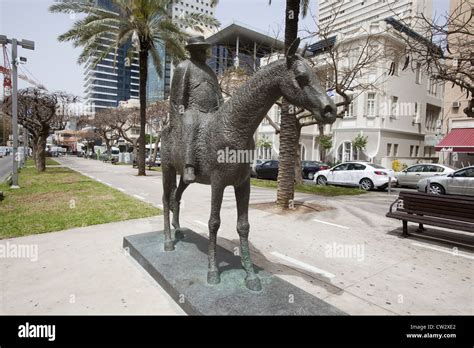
(365, 175)
(459, 182)
(409, 177)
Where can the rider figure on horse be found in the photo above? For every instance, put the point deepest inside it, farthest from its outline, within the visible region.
(195, 87)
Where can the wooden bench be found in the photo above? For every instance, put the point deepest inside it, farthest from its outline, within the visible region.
(448, 211)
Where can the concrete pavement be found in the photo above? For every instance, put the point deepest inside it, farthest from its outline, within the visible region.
(349, 255)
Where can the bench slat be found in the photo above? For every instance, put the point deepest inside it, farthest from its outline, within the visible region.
(446, 209)
(437, 214)
(457, 225)
(430, 196)
(440, 210)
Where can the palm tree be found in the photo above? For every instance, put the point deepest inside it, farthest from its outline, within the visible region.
(146, 23)
(288, 127)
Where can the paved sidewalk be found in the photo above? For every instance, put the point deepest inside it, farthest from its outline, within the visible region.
(351, 255)
(81, 271)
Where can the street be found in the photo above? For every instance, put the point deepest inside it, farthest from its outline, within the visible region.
(347, 253)
(5, 167)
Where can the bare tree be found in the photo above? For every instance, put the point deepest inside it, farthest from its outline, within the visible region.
(443, 47)
(103, 124)
(158, 114)
(41, 113)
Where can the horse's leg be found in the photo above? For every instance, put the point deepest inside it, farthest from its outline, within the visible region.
(242, 196)
(214, 224)
(169, 184)
(178, 193)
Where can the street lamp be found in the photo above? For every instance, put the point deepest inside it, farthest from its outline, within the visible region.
(29, 45)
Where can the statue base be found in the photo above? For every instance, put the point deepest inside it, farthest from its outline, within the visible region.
(183, 274)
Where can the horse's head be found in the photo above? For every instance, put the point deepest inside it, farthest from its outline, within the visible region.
(301, 87)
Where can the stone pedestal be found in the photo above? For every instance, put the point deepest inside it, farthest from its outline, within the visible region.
(183, 273)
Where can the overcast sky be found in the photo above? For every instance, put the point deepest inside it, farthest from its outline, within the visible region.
(54, 64)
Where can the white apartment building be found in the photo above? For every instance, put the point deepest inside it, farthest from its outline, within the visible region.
(347, 16)
(400, 115)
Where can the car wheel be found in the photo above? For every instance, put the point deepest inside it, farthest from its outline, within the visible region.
(437, 189)
(310, 176)
(321, 180)
(366, 184)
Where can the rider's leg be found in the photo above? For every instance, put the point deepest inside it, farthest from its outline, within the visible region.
(188, 122)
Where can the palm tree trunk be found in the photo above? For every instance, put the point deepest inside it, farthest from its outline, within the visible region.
(286, 170)
(143, 57)
(298, 171)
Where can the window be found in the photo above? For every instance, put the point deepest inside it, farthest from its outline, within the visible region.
(302, 152)
(418, 73)
(341, 167)
(395, 150)
(394, 107)
(395, 67)
(376, 166)
(350, 110)
(430, 169)
(355, 166)
(412, 148)
(389, 149)
(432, 87)
(417, 150)
(370, 104)
(466, 173)
(415, 169)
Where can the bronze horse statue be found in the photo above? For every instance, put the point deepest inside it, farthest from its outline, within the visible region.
(232, 126)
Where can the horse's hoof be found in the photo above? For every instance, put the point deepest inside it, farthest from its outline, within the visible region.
(178, 234)
(213, 277)
(253, 283)
(169, 246)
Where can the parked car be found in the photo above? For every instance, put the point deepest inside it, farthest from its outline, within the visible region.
(254, 165)
(310, 168)
(363, 174)
(267, 170)
(459, 182)
(410, 176)
(157, 162)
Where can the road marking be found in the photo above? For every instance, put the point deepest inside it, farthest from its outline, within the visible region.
(303, 265)
(201, 223)
(330, 223)
(447, 251)
(99, 180)
(139, 197)
(108, 184)
(120, 189)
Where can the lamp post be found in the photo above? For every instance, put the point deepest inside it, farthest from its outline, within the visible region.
(29, 45)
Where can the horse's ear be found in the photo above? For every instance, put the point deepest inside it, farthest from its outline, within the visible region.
(292, 50)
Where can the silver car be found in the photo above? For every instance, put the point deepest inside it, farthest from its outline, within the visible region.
(409, 177)
(460, 182)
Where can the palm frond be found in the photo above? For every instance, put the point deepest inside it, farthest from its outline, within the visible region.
(196, 21)
(155, 56)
